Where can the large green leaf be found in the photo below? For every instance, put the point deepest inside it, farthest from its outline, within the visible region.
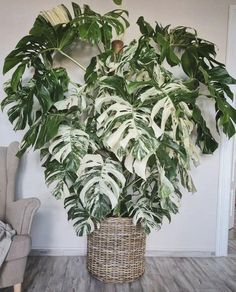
(205, 140)
(220, 74)
(145, 27)
(17, 75)
(189, 62)
(48, 129)
(226, 115)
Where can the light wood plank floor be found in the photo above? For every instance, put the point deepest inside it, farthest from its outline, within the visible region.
(69, 274)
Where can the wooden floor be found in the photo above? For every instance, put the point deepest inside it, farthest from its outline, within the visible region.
(69, 274)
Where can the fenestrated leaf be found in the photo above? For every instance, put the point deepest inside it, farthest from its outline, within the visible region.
(57, 176)
(220, 74)
(225, 89)
(44, 30)
(171, 57)
(226, 115)
(80, 216)
(70, 145)
(76, 9)
(205, 140)
(48, 129)
(29, 139)
(90, 31)
(65, 34)
(115, 83)
(11, 61)
(122, 127)
(143, 214)
(16, 76)
(189, 62)
(145, 27)
(99, 177)
(21, 103)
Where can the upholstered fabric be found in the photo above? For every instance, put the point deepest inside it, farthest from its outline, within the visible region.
(20, 214)
(3, 180)
(20, 247)
(12, 272)
(17, 213)
(12, 167)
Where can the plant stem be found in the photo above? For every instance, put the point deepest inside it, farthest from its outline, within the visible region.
(132, 182)
(73, 60)
(65, 55)
(100, 51)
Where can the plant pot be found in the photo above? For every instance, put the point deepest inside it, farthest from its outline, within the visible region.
(116, 251)
(117, 46)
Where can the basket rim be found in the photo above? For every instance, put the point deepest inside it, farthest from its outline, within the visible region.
(118, 219)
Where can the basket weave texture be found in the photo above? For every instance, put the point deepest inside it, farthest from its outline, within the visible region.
(116, 251)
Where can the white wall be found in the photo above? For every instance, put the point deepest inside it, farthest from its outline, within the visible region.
(194, 228)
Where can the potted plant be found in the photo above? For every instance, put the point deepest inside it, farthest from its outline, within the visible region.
(118, 147)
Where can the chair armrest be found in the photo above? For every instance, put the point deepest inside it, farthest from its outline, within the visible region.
(20, 214)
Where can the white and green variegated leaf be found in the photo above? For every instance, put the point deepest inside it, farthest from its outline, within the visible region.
(183, 124)
(84, 226)
(57, 176)
(166, 188)
(186, 179)
(187, 126)
(99, 178)
(125, 129)
(70, 145)
(76, 98)
(142, 214)
(80, 216)
(109, 65)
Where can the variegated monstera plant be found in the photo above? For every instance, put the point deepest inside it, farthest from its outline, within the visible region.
(123, 142)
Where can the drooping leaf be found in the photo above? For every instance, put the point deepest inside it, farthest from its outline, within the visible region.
(145, 27)
(48, 129)
(205, 140)
(80, 216)
(17, 75)
(57, 176)
(220, 74)
(189, 62)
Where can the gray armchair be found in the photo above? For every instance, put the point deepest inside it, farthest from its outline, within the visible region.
(19, 214)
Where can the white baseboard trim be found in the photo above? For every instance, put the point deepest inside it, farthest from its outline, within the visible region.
(179, 253)
(58, 251)
(149, 253)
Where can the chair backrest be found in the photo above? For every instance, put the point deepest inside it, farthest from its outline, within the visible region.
(8, 169)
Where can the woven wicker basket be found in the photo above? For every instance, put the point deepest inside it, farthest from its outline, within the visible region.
(116, 251)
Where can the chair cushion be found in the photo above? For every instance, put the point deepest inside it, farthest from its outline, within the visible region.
(20, 247)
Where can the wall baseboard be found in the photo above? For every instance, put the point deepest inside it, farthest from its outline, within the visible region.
(149, 253)
(58, 251)
(179, 253)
